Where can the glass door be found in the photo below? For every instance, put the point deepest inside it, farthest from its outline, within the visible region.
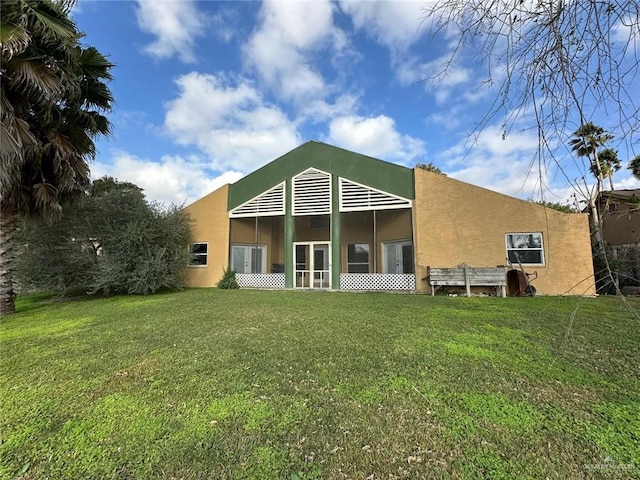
(312, 265)
(321, 273)
(303, 267)
(248, 258)
(398, 257)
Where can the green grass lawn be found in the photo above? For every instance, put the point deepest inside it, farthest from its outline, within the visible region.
(319, 385)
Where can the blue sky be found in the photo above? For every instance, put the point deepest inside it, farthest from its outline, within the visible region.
(207, 92)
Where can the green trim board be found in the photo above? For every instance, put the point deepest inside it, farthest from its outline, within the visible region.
(366, 170)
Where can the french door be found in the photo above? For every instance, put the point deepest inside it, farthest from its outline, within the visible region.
(312, 266)
(249, 258)
(398, 257)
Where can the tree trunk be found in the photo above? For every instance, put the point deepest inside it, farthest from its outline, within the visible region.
(599, 170)
(8, 223)
(596, 225)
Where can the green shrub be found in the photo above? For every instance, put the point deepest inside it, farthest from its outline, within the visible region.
(112, 241)
(228, 280)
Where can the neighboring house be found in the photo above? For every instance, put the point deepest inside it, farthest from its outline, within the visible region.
(324, 217)
(620, 214)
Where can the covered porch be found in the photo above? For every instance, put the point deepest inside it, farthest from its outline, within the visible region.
(375, 251)
(321, 231)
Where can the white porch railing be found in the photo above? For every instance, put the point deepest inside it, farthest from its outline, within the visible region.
(348, 281)
(260, 280)
(377, 281)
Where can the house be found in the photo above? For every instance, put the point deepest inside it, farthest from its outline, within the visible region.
(619, 212)
(620, 215)
(328, 218)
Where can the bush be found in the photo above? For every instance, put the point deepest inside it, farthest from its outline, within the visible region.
(113, 241)
(228, 280)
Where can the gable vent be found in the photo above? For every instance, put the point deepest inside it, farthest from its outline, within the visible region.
(269, 203)
(357, 197)
(312, 193)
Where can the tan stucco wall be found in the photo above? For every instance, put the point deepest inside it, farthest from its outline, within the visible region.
(304, 233)
(210, 223)
(357, 227)
(455, 222)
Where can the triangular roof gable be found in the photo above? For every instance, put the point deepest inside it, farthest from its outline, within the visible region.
(357, 197)
(370, 171)
(269, 203)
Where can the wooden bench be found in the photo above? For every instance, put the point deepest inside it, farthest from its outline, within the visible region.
(465, 276)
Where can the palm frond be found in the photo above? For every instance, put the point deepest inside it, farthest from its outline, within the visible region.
(95, 65)
(96, 94)
(52, 20)
(45, 197)
(14, 39)
(15, 136)
(33, 77)
(52, 94)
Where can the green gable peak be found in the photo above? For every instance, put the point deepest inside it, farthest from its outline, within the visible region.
(338, 161)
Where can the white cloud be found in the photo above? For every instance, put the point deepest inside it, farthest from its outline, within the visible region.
(375, 136)
(511, 166)
(320, 110)
(394, 24)
(626, 30)
(175, 24)
(225, 24)
(399, 25)
(173, 179)
(628, 182)
(281, 47)
(506, 165)
(439, 76)
(230, 123)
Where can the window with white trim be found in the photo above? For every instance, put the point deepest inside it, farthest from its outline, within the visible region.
(358, 258)
(525, 248)
(198, 254)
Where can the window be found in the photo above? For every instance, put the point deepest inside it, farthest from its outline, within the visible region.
(198, 254)
(526, 248)
(358, 258)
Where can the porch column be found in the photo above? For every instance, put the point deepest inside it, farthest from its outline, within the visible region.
(288, 236)
(336, 263)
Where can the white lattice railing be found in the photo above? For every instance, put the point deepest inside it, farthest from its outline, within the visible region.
(377, 281)
(348, 281)
(260, 280)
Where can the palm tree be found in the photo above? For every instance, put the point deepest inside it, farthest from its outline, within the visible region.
(430, 167)
(609, 164)
(634, 166)
(586, 142)
(53, 95)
